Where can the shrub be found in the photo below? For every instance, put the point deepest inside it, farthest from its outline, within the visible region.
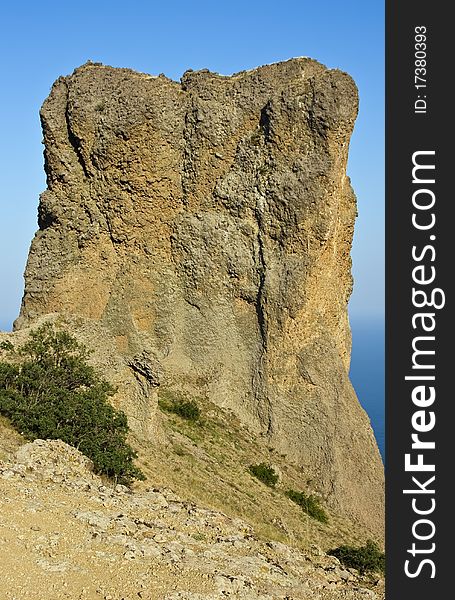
(366, 558)
(186, 409)
(309, 504)
(264, 473)
(49, 391)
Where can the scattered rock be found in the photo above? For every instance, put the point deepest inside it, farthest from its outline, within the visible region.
(137, 533)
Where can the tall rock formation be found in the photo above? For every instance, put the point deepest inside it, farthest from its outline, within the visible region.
(205, 227)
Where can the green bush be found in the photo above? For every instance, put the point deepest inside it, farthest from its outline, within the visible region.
(173, 403)
(309, 504)
(264, 473)
(187, 409)
(48, 390)
(366, 558)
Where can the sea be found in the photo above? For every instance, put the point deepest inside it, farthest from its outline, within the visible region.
(368, 372)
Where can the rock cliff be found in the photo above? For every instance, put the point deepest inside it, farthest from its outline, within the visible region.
(199, 233)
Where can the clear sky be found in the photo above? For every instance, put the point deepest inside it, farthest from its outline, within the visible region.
(42, 40)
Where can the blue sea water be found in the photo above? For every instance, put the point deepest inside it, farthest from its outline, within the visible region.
(368, 371)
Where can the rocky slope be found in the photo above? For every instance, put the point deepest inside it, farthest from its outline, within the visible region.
(64, 533)
(197, 235)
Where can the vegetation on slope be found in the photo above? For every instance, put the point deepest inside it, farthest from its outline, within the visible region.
(309, 504)
(177, 404)
(208, 461)
(367, 558)
(49, 391)
(264, 473)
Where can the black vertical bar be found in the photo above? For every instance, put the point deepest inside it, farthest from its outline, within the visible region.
(419, 119)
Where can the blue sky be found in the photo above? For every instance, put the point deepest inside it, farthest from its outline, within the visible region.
(42, 40)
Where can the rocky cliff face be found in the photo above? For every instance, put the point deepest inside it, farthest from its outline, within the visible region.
(200, 231)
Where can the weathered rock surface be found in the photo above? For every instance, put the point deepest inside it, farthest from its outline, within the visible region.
(201, 230)
(64, 534)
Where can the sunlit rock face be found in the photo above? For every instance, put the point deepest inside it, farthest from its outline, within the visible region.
(200, 232)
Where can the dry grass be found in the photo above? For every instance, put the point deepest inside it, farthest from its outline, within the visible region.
(207, 462)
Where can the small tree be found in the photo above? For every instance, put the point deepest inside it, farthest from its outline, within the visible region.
(309, 504)
(48, 390)
(188, 410)
(365, 558)
(264, 473)
(177, 404)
